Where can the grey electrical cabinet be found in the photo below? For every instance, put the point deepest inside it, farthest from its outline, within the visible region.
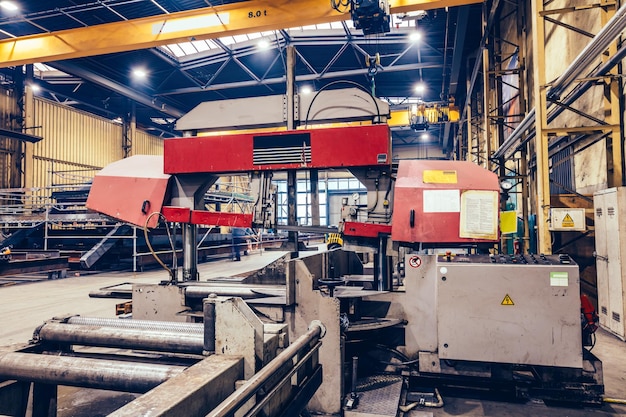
(610, 224)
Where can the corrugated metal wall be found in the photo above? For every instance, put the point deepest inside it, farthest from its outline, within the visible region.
(145, 144)
(77, 144)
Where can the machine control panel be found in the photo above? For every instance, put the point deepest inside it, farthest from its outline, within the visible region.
(520, 259)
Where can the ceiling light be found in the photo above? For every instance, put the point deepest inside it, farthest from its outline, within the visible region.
(9, 5)
(263, 44)
(415, 36)
(35, 88)
(420, 88)
(306, 89)
(425, 136)
(140, 73)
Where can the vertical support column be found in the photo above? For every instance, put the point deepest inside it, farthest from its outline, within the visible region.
(292, 179)
(470, 136)
(614, 146)
(190, 252)
(190, 238)
(130, 130)
(486, 148)
(315, 197)
(382, 271)
(29, 121)
(486, 110)
(523, 109)
(541, 139)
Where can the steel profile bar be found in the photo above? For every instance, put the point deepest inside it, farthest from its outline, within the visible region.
(515, 141)
(600, 43)
(155, 326)
(597, 46)
(85, 372)
(204, 23)
(141, 339)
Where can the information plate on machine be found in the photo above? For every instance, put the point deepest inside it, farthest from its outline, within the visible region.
(492, 309)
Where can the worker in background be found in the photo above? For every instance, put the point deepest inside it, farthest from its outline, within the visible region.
(240, 239)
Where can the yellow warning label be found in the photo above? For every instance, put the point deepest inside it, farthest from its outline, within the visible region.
(507, 301)
(567, 221)
(438, 176)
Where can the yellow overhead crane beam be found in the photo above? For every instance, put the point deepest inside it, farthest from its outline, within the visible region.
(205, 23)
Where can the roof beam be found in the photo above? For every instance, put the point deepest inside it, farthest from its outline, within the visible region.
(205, 23)
(299, 78)
(137, 96)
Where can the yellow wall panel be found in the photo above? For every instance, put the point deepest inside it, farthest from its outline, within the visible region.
(77, 144)
(146, 144)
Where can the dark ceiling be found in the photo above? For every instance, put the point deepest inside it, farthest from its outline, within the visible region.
(233, 69)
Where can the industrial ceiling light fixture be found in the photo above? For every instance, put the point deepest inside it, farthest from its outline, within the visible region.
(9, 5)
(263, 43)
(306, 90)
(140, 74)
(35, 88)
(415, 36)
(420, 88)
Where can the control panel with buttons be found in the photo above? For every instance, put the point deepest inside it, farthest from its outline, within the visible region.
(526, 259)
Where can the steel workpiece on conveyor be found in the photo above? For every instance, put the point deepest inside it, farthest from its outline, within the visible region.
(85, 372)
(197, 291)
(140, 339)
(157, 326)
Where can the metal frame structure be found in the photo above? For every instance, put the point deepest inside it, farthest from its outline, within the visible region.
(516, 155)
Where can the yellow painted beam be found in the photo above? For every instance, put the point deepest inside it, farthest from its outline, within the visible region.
(205, 23)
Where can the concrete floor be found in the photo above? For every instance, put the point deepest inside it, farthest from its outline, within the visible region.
(24, 307)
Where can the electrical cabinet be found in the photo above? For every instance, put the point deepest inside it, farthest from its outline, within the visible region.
(610, 224)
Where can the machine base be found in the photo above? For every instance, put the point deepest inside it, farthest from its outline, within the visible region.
(565, 386)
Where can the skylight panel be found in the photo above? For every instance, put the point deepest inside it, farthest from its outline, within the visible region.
(188, 48)
(176, 50)
(241, 38)
(202, 46)
(227, 40)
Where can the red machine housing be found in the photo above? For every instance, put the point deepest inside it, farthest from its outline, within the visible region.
(445, 202)
(133, 188)
(299, 149)
(130, 189)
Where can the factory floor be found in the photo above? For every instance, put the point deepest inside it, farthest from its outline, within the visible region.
(24, 307)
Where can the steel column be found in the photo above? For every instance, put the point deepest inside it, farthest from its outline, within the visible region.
(542, 208)
(292, 178)
(315, 197)
(190, 253)
(29, 121)
(612, 110)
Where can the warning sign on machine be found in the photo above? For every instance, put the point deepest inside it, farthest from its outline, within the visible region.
(507, 301)
(567, 219)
